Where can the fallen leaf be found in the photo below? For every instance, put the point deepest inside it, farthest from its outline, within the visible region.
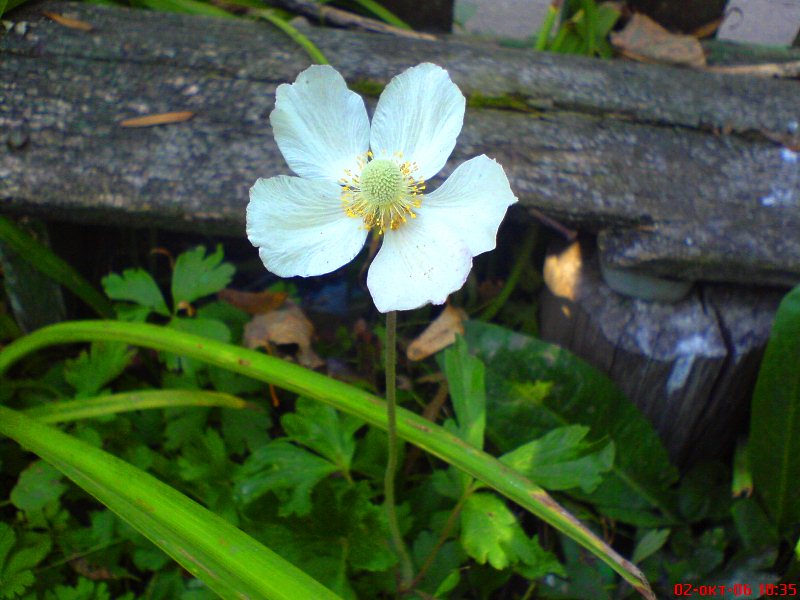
(253, 303)
(159, 119)
(68, 22)
(287, 325)
(439, 334)
(562, 271)
(645, 40)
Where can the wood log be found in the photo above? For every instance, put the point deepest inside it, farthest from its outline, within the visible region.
(689, 367)
(682, 173)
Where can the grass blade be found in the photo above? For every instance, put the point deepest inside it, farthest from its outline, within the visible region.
(383, 13)
(410, 427)
(775, 423)
(51, 265)
(306, 44)
(230, 562)
(74, 410)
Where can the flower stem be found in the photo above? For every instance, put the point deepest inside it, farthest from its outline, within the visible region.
(390, 356)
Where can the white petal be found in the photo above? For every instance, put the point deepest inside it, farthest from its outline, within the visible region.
(320, 126)
(473, 202)
(423, 261)
(300, 228)
(420, 113)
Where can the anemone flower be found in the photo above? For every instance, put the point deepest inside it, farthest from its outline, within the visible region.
(354, 179)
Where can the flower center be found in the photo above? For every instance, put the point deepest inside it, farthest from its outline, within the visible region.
(384, 194)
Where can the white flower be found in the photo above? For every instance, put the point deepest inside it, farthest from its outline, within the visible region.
(354, 178)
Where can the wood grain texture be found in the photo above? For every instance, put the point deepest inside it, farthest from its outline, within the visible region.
(633, 152)
(690, 367)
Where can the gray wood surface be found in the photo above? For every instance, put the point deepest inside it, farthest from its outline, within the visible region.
(690, 367)
(679, 171)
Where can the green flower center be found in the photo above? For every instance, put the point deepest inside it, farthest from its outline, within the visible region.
(384, 194)
(382, 182)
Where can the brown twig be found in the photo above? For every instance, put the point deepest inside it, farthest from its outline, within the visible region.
(343, 18)
(783, 69)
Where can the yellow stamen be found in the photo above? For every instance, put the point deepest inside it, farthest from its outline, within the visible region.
(384, 193)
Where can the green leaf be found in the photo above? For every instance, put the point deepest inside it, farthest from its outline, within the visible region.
(197, 275)
(465, 378)
(44, 260)
(207, 328)
(17, 560)
(245, 429)
(383, 13)
(533, 387)
(562, 460)
(294, 34)
(228, 561)
(754, 526)
(491, 533)
(285, 469)
(190, 7)
(137, 286)
(447, 560)
(347, 398)
(37, 486)
(650, 543)
(62, 412)
(92, 370)
(775, 422)
(84, 590)
(324, 430)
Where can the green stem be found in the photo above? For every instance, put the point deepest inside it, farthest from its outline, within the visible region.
(411, 427)
(390, 356)
(523, 259)
(46, 262)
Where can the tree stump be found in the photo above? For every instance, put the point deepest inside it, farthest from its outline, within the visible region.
(689, 366)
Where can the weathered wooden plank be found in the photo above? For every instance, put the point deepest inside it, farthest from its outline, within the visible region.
(619, 148)
(689, 367)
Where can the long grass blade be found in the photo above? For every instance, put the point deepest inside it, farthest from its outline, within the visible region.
(74, 410)
(410, 427)
(46, 262)
(229, 561)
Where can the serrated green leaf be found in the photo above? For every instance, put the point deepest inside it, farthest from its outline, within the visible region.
(84, 590)
(342, 396)
(775, 423)
(229, 562)
(197, 275)
(245, 430)
(208, 328)
(447, 560)
(17, 559)
(465, 378)
(576, 394)
(204, 458)
(37, 486)
(288, 471)
(562, 459)
(92, 370)
(137, 286)
(491, 533)
(324, 430)
(345, 531)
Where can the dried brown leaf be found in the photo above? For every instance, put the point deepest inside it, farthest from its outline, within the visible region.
(288, 325)
(439, 334)
(645, 40)
(158, 119)
(68, 22)
(253, 303)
